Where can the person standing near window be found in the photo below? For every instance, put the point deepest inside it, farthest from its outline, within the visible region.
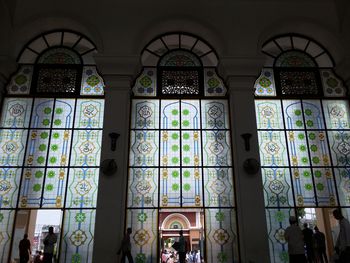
(49, 245)
(182, 248)
(125, 247)
(342, 246)
(294, 237)
(24, 249)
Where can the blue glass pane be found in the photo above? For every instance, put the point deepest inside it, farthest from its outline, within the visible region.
(144, 148)
(42, 113)
(303, 187)
(146, 114)
(12, 143)
(16, 112)
(215, 114)
(9, 185)
(269, 114)
(272, 146)
(216, 148)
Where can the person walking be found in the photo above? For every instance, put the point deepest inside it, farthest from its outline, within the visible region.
(309, 243)
(125, 247)
(49, 245)
(24, 249)
(342, 246)
(182, 248)
(294, 237)
(320, 246)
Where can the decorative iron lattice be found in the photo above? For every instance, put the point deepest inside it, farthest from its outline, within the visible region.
(298, 83)
(180, 82)
(57, 80)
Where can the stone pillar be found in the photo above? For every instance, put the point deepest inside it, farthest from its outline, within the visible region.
(110, 212)
(252, 229)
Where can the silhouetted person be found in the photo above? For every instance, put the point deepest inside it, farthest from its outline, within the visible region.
(308, 240)
(320, 245)
(294, 237)
(342, 246)
(125, 247)
(49, 245)
(24, 249)
(182, 248)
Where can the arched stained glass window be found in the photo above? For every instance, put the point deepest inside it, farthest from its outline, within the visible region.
(302, 115)
(50, 141)
(180, 158)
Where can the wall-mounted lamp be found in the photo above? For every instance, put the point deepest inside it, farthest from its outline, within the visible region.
(114, 137)
(246, 137)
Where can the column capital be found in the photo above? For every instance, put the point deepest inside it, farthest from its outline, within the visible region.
(343, 70)
(232, 66)
(7, 67)
(118, 65)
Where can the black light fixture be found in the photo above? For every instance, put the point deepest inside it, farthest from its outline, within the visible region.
(246, 137)
(114, 137)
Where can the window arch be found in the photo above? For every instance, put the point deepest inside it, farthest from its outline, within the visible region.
(180, 148)
(302, 112)
(50, 137)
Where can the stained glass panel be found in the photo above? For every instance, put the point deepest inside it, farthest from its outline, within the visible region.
(303, 187)
(143, 187)
(82, 187)
(337, 114)
(180, 58)
(89, 114)
(221, 235)
(190, 114)
(146, 83)
(63, 113)
(170, 118)
(293, 114)
(143, 148)
(339, 142)
(59, 150)
(191, 184)
(213, 84)
(16, 112)
(59, 56)
(269, 114)
(277, 187)
(272, 146)
(146, 114)
(265, 84)
(37, 147)
(294, 58)
(12, 147)
(318, 148)
(277, 222)
(170, 148)
(21, 82)
(191, 149)
(216, 148)
(218, 187)
(92, 83)
(31, 188)
(144, 225)
(42, 113)
(324, 185)
(332, 85)
(298, 148)
(78, 236)
(215, 114)
(86, 148)
(342, 176)
(55, 187)
(313, 114)
(9, 185)
(170, 184)
(6, 224)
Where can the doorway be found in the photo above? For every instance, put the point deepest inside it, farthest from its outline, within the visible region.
(36, 223)
(191, 222)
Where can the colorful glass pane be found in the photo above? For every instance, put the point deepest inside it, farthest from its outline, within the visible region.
(333, 86)
(293, 114)
(37, 148)
(216, 148)
(269, 114)
(277, 187)
(221, 235)
(55, 187)
(63, 113)
(170, 187)
(12, 147)
(294, 58)
(144, 224)
(190, 114)
(272, 146)
(9, 185)
(146, 114)
(16, 112)
(337, 114)
(298, 148)
(277, 222)
(191, 148)
(42, 113)
(318, 148)
(143, 148)
(32, 187)
(324, 186)
(146, 83)
(59, 56)
(89, 114)
(170, 148)
(339, 142)
(192, 194)
(180, 58)
(265, 84)
(215, 114)
(6, 224)
(86, 148)
(303, 187)
(20, 83)
(342, 176)
(218, 187)
(143, 187)
(313, 114)
(82, 187)
(59, 149)
(213, 84)
(92, 83)
(78, 236)
(170, 118)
